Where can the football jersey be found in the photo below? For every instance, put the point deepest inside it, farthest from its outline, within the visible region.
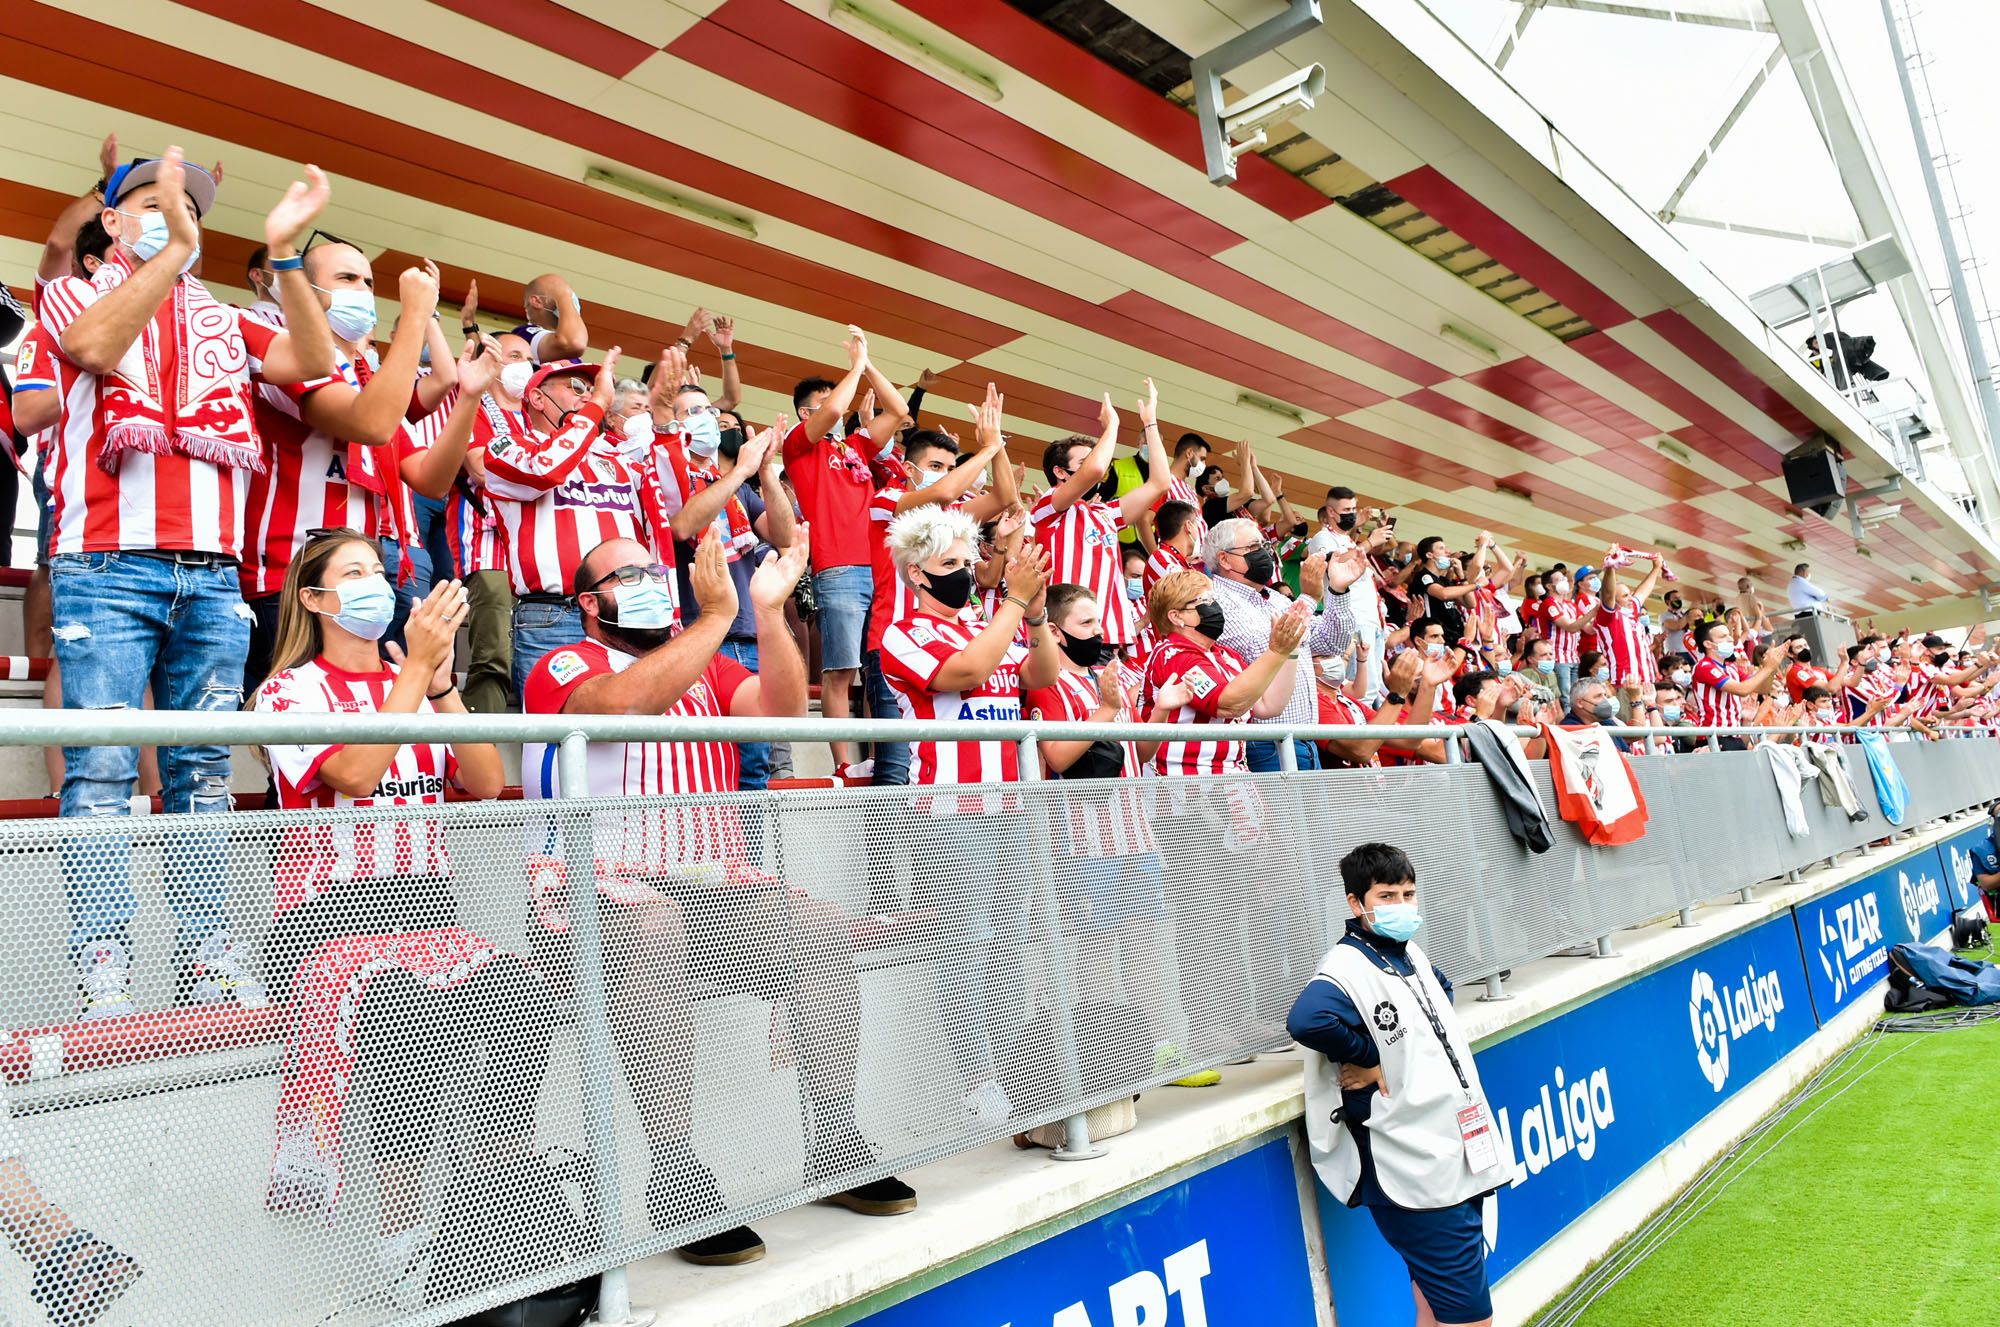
(1082, 540)
(1111, 820)
(913, 652)
(1205, 673)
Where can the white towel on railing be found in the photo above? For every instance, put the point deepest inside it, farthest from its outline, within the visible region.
(1790, 770)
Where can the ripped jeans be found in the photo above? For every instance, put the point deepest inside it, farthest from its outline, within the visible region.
(123, 620)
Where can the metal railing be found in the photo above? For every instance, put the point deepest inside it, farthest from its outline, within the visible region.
(720, 1007)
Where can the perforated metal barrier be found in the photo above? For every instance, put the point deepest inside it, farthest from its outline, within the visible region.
(507, 1044)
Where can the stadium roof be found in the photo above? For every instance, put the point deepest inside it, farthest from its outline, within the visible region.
(1420, 289)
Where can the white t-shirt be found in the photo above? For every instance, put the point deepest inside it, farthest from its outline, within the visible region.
(1362, 599)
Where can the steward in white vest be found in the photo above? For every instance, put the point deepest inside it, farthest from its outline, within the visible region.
(1395, 1116)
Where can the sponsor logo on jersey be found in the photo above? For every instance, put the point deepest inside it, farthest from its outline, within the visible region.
(565, 666)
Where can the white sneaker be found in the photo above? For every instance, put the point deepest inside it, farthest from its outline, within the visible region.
(986, 1105)
(105, 982)
(402, 1259)
(222, 973)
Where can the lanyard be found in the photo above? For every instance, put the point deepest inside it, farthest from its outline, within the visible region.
(1423, 1003)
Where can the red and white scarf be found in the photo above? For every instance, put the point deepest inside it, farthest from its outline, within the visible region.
(320, 1053)
(384, 478)
(741, 538)
(183, 387)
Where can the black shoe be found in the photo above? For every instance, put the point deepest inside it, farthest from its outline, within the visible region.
(731, 1247)
(885, 1197)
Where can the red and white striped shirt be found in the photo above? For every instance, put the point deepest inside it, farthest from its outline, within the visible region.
(1710, 705)
(478, 540)
(914, 650)
(1164, 561)
(1932, 696)
(1864, 690)
(562, 495)
(1205, 673)
(1629, 655)
(1112, 819)
(38, 367)
(649, 840)
(1179, 490)
(1563, 615)
(309, 483)
(1082, 541)
(170, 501)
(311, 857)
(894, 600)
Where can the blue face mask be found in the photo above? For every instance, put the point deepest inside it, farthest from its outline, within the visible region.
(1504, 667)
(1671, 713)
(702, 435)
(1547, 667)
(153, 237)
(925, 478)
(1396, 921)
(366, 605)
(1135, 589)
(1727, 651)
(351, 314)
(647, 606)
(1603, 674)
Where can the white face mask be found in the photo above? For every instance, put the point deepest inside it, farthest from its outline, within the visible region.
(514, 378)
(1195, 469)
(1222, 488)
(1824, 716)
(638, 429)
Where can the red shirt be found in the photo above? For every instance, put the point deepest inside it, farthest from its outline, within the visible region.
(655, 839)
(311, 857)
(170, 501)
(1629, 655)
(472, 528)
(1801, 676)
(913, 652)
(1205, 673)
(1082, 540)
(560, 496)
(1341, 708)
(833, 483)
(894, 599)
(1114, 821)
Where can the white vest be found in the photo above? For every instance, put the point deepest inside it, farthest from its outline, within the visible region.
(1413, 1133)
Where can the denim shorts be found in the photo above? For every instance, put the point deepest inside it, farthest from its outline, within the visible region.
(843, 595)
(541, 628)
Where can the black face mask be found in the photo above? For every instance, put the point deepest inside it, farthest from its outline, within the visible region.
(953, 589)
(1940, 661)
(732, 443)
(1260, 566)
(1212, 620)
(1086, 651)
(1347, 520)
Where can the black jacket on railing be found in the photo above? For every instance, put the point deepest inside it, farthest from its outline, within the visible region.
(1505, 768)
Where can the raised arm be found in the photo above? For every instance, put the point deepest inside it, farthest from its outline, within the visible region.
(700, 508)
(304, 350)
(371, 415)
(1096, 462)
(656, 681)
(1137, 506)
(1027, 576)
(832, 410)
(722, 334)
(778, 691)
(525, 472)
(568, 338)
(59, 250)
(893, 413)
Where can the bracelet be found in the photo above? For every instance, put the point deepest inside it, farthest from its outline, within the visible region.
(442, 694)
(469, 329)
(1041, 621)
(1018, 602)
(295, 263)
(728, 355)
(683, 343)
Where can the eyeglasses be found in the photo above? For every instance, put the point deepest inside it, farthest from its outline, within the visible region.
(578, 385)
(633, 576)
(696, 411)
(333, 532)
(325, 237)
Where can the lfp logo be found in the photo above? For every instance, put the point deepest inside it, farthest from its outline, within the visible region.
(1720, 1017)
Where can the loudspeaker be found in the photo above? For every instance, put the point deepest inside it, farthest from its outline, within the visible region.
(1814, 478)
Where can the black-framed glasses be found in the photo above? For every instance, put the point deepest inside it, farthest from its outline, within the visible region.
(333, 531)
(659, 572)
(325, 237)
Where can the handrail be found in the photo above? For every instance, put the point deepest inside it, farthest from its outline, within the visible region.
(234, 728)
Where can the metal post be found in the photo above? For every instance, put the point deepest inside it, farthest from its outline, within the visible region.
(1747, 894)
(1496, 988)
(1685, 917)
(1288, 754)
(579, 850)
(1076, 1128)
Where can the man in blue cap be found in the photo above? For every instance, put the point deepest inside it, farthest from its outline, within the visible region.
(155, 451)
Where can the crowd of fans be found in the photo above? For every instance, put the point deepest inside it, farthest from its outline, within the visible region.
(274, 503)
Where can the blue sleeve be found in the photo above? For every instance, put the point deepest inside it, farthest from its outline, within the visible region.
(1324, 1019)
(753, 506)
(1443, 981)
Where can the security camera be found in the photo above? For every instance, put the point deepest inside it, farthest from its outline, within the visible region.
(1288, 96)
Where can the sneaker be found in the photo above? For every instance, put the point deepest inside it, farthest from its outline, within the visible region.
(401, 1257)
(731, 1247)
(885, 1197)
(221, 973)
(986, 1105)
(104, 986)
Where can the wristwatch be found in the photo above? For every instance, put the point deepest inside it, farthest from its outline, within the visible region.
(1391, 698)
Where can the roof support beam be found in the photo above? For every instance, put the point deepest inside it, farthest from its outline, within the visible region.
(1753, 82)
(1528, 8)
(1665, 13)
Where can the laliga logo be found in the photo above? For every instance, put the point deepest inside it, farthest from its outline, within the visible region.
(1567, 1120)
(1919, 897)
(1711, 1029)
(1961, 869)
(1720, 1017)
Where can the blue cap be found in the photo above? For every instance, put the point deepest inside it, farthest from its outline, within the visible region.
(1582, 572)
(200, 185)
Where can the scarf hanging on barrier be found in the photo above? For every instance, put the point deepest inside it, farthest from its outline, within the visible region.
(1595, 790)
(182, 387)
(320, 1053)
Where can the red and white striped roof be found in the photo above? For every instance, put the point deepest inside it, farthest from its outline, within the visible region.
(1060, 241)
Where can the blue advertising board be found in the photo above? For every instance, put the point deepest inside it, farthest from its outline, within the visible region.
(1586, 1099)
(1963, 853)
(1222, 1248)
(1846, 935)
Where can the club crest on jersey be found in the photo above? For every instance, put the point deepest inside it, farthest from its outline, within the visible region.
(565, 666)
(500, 443)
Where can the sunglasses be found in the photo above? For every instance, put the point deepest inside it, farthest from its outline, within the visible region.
(326, 237)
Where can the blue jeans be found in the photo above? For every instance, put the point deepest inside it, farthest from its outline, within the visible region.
(539, 629)
(892, 759)
(433, 553)
(754, 758)
(1565, 679)
(123, 620)
(406, 595)
(1262, 757)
